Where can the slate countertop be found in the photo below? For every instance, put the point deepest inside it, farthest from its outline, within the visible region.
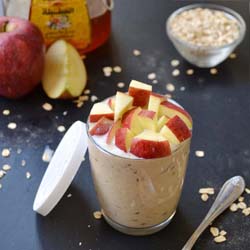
(219, 105)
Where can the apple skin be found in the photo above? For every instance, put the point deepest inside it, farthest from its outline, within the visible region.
(130, 120)
(101, 127)
(170, 110)
(123, 137)
(150, 149)
(111, 134)
(21, 57)
(179, 128)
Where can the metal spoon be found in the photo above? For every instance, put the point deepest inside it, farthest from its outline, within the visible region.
(230, 191)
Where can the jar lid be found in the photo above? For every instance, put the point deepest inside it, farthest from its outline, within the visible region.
(62, 168)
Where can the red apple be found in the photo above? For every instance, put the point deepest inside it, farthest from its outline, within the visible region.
(130, 120)
(170, 110)
(101, 127)
(99, 110)
(21, 57)
(140, 91)
(149, 145)
(178, 128)
(112, 131)
(123, 138)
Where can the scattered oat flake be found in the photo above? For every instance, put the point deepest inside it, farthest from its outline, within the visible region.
(241, 199)
(247, 190)
(28, 175)
(246, 211)
(19, 151)
(220, 239)
(61, 128)
(242, 205)
(206, 190)
(214, 231)
(6, 112)
(232, 55)
(86, 91)
(223, 232)
(83, 98)
(155, 81)
(23, 163)
(6, 167)
(199, 153)
(79, 104)
(97, 215)
(69, 195)
(213, 71)
(107, 69)
(47, 106)
(204, 197)
(120, 84)
(65, 113)
(89, 226)
(2, 173)
(12, 125)
(1, 186)
(80, 243)
(151, 76)
(233, 207)
(170, 87)
(47, 154)
(190, 72)
(175, 72)
(182, 88)
(175, 63)
(94, 98)
(5, 152)
(136, 52)
(117, 69)
(107, 74)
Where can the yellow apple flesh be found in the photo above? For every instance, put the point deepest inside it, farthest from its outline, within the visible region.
(65, 74)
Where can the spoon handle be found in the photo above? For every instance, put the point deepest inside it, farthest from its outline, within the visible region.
(229, 192)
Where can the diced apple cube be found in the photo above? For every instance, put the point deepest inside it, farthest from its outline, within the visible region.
(149, 145)
(170, 110)
(123, 138)
(101, 127)
(161, 122)
(148, 119)
(154, 103)
(100, 110)
(122, 103)
(140, 92)
(111, 134)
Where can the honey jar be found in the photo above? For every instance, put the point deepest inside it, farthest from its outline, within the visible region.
(86, 24)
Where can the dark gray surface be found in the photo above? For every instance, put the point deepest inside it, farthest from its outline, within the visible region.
(219, 105)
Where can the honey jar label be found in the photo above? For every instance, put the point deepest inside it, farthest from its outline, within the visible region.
(63, 19)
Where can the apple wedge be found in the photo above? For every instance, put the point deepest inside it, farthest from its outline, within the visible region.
(170, 110)
(99, 110)
(148, 119)
(149, 145)
(161, 122)
(175, 130)
(130, 120)
(154, 103)
(101, 127)
(140, 92)
(122, 103)
(123, 138)
(64, 74)
(111, 134)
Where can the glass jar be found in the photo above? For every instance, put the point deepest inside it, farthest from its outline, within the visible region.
(86, 24)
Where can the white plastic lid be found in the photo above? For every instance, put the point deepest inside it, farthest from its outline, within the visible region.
(62, 168)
